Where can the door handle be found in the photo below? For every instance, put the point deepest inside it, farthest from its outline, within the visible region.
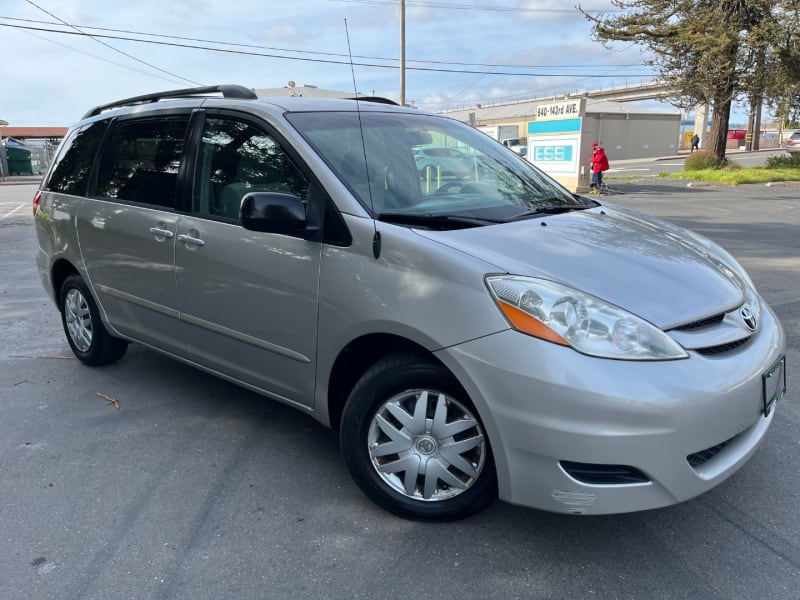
(161, 233)
(187, 239)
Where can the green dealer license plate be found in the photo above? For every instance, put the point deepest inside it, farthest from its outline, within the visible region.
(773, 384)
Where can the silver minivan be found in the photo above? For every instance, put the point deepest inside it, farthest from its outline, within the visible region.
(472, 335)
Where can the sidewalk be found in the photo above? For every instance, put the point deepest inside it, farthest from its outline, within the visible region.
(21, 180)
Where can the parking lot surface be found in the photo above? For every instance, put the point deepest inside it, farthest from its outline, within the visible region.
(148, 479)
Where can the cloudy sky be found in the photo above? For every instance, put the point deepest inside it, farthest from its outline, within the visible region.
(458, 52)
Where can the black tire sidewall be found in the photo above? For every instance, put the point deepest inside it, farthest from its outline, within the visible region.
(388, 377)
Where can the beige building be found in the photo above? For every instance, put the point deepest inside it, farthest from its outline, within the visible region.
(306, 91)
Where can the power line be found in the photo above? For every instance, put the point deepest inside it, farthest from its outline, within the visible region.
(318, 53)
(482, 7)
(32, 3)
(316, 60)
(113, 62)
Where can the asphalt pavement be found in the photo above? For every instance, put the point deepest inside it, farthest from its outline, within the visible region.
(148, 479)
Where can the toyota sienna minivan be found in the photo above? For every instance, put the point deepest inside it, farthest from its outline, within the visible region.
(471, 335)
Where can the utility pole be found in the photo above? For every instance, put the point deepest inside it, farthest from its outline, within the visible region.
(3, 157)
(402, 52)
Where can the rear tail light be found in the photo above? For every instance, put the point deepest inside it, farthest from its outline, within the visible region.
(36, 199)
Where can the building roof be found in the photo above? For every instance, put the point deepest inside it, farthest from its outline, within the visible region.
(34, 132)
(525, 109)
(305, 91)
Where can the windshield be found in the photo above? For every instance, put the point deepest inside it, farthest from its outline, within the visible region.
(417, 164)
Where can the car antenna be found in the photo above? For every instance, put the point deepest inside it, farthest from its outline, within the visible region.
(376, 239)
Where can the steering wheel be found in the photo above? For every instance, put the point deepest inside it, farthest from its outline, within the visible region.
(447, 186)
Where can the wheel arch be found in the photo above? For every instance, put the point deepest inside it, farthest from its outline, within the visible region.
(354, 360)
(59, 272)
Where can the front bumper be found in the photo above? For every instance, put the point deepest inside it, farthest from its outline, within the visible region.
(543, 404)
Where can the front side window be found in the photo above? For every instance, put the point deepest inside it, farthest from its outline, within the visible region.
(406, 165)
(236, 159)
(70, 173)
(141, 161)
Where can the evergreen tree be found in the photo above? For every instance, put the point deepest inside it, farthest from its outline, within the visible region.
(711, 51)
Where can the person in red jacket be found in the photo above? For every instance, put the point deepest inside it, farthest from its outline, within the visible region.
(599, 164)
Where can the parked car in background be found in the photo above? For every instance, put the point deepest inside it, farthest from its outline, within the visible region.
(475, 337)
(518, 145)
(793, 142)
(447, 162)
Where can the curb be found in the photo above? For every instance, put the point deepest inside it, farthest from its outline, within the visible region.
(782, 183)
(12, 180)
(701, 184)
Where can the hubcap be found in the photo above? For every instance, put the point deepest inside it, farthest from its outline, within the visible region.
(426, 445)
(78, 320)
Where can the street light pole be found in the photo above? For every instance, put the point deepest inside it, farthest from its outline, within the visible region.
(402, 52)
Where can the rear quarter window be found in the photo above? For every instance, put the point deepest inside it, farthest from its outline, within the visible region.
(70, 173)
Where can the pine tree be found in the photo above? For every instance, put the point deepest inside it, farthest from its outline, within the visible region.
(712, 51)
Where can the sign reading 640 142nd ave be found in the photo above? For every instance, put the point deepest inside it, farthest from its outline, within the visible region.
(558, 110)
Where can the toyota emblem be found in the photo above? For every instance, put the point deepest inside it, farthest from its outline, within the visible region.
(749, 318)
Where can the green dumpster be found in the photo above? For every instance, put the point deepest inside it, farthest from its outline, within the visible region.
(19, 161)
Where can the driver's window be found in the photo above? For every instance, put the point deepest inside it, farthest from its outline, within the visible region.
(236, 159)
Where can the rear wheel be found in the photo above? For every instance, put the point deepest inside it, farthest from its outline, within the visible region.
(86, 334)
(414, 444)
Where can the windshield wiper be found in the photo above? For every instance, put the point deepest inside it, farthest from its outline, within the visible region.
(550, 209)
(436, 221)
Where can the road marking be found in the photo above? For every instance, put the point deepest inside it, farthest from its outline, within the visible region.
(12, 211)
(620, 170)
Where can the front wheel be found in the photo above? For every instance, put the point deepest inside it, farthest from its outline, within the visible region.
(414, 444)
(86, 334)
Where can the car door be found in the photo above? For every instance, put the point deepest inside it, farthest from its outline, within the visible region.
(127, 227)
(248, 299)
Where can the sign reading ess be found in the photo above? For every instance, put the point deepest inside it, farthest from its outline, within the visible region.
(555, 154)
(559, 153)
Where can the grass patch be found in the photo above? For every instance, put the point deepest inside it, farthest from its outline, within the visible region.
(778, 168)
(740, 176)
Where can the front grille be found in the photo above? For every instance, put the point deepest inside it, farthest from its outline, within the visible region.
(713, 320)
(698, 459)
(716, 334)
(604, 474)
(711, 350)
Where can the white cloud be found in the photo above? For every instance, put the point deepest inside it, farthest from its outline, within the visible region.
(53, 79)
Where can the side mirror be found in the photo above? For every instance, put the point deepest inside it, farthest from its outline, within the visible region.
(523, 151)
(273, 212)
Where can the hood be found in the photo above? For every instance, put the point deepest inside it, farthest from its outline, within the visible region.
(650, 268)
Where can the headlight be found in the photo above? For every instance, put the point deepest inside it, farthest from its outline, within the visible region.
(565, 316)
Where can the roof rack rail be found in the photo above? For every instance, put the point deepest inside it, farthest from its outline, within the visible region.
(375, 99)
(227, 91)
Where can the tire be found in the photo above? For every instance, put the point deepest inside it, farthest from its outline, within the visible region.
(414, 444)
(86, 334)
